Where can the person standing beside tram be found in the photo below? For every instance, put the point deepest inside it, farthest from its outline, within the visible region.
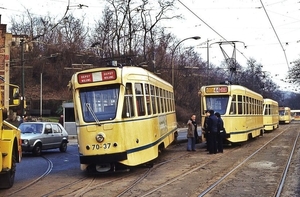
(205, 129)
(212, 123)
(192, 127)
(221, 133)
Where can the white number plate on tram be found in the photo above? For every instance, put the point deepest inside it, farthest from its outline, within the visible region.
(99, 146)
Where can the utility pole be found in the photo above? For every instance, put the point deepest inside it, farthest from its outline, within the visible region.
(230, 61)
(23, 77)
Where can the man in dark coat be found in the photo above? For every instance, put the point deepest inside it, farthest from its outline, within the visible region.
(221, 133)
(212, 124)
(205, 128)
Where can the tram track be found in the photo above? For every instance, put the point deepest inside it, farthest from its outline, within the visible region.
(216, 180)
(107, 183)
(283, 177)
(47, 171)
(195, 167)
(177, 172)
(274, 189)
(84, 184)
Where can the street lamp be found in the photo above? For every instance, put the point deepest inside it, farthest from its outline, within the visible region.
(172, 63)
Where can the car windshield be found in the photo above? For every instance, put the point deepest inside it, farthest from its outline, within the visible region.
(31, 128)
(99, 103)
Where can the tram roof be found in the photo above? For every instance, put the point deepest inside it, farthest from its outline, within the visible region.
(127, 71)
(270, 101)
(232, 87)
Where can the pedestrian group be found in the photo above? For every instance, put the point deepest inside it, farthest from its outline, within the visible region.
(213, 129)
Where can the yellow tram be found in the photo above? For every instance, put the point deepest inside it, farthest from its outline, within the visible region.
(285, 115)
(241, 110)
(124, 116)
(271, 116)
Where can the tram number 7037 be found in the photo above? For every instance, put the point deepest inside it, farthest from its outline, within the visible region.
(98, 146)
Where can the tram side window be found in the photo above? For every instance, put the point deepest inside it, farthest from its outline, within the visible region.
(162, 95)
(139, 95)
(268, 110)
(233, 105)
(128, 107)
(153, 100)
(244, 104)
(252, 106)
(240, 104)
(169, 101)
(172, 102)
(158, 100)
(256, 106)
(166, 100)
(148, 99)
(248, 105)
(257, 109)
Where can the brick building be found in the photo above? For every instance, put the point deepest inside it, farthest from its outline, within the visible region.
(5, 43)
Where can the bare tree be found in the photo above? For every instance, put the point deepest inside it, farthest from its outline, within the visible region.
(50, 50)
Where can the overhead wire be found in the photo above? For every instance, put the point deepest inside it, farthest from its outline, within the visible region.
(211, 28)
(63, 18)
(275, 33)
(226, 39)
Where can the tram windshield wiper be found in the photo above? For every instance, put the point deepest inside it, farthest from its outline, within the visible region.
(88, 106)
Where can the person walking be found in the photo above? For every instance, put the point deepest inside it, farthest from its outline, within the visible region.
(212, 123)
(220, 134)
(192, 126)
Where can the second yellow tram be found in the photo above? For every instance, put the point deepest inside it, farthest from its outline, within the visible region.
(241, 110)
(271, 116)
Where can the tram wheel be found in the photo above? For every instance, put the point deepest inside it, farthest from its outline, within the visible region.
(7, 179)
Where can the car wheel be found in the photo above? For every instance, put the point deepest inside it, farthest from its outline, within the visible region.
(63, 147)
(7, 178)
(37, 150)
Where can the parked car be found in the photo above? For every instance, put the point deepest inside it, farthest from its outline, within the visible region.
(38, 136)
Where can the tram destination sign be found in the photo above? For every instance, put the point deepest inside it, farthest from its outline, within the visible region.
(106, 75)
(218, 89)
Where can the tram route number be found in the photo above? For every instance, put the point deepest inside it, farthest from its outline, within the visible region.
(221, 89)
(98, 146)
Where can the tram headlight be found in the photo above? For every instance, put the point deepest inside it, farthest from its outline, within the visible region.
(100, 137)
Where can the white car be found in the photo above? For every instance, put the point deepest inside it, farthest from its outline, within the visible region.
(38, 136)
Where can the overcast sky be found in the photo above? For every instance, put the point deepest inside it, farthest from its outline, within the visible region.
(270, 29)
